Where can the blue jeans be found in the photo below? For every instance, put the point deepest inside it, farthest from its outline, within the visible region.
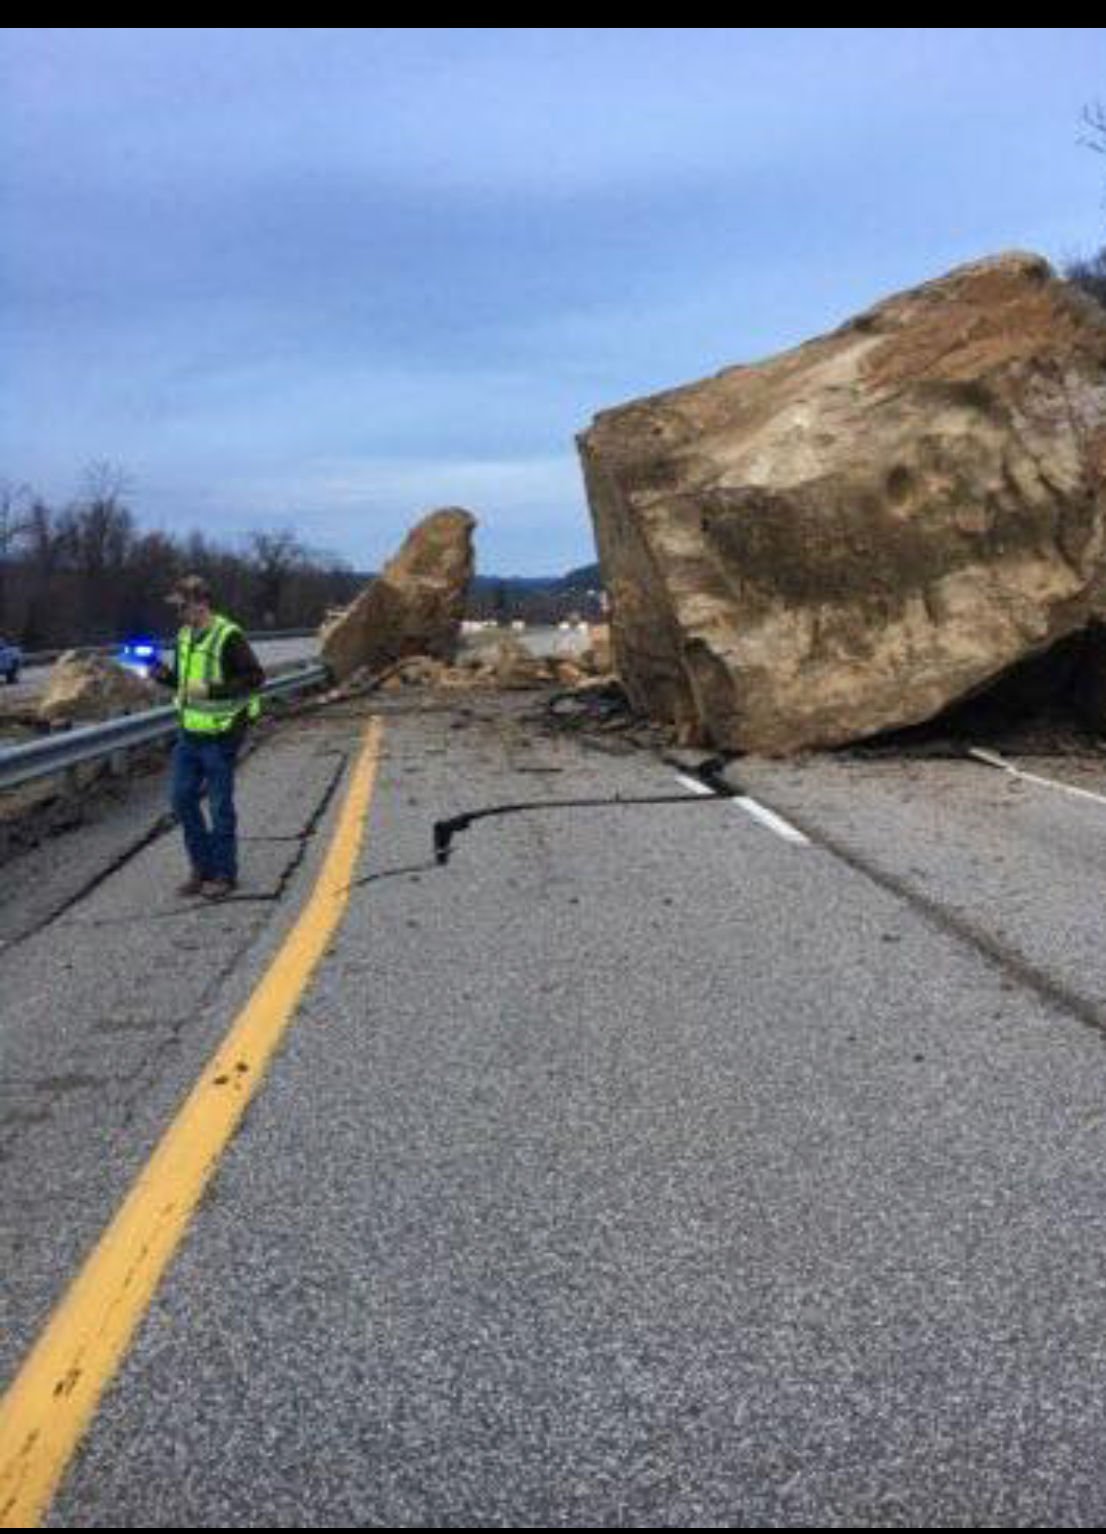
(197, 762)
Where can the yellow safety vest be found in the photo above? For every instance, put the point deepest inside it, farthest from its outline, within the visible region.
(200, 659)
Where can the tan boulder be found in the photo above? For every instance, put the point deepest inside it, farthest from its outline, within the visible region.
(512, 666)
(598, 657)
(850, 536)
(421, 671)
(91, 687)
(415, 605)
(568, 673)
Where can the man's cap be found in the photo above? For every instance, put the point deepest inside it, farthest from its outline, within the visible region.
(190, 588)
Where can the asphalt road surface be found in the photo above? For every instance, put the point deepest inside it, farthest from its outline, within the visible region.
(643, 1166)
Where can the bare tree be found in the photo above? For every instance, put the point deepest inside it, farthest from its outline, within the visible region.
(1094, 126)
(42, 556)
(15, 508)
(1090, 275)
(97, 535)
(276, 556)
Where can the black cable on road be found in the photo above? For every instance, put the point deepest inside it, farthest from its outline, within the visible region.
(709, 775)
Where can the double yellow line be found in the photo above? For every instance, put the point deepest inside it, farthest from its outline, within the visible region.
(53, 1398)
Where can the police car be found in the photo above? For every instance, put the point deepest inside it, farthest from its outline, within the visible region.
(139, 656)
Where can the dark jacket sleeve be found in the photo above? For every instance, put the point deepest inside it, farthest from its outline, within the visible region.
(242, 671)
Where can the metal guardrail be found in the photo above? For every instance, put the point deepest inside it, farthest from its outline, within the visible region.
(66, 750)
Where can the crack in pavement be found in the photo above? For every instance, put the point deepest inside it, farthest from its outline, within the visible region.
(135, 1084)
(299, 839)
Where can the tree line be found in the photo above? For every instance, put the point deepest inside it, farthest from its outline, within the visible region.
(85, 573)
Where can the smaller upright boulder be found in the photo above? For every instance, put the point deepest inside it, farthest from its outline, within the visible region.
(415, 605)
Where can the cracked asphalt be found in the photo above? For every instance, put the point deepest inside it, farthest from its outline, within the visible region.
(636, 1169)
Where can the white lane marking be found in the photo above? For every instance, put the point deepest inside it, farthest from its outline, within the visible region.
(993, 759)
(773, 821)
(758, 811)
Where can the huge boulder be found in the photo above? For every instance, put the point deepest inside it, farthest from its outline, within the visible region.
(415, 605)
(848, 537)
(92, 687)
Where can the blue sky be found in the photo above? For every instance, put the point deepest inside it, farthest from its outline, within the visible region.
(330, 279)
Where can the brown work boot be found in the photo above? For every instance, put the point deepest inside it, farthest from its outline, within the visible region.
(193, 885)
(218, 889)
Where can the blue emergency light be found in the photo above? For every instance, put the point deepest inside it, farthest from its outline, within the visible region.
(139, 655)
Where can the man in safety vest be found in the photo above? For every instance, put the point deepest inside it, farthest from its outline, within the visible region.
(216, 677)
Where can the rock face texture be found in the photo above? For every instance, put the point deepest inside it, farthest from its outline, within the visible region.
(850, 536)
(415, 605)
(92, 687)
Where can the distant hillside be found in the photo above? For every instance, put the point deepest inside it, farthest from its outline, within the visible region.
(536, 599)
(586, 576)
